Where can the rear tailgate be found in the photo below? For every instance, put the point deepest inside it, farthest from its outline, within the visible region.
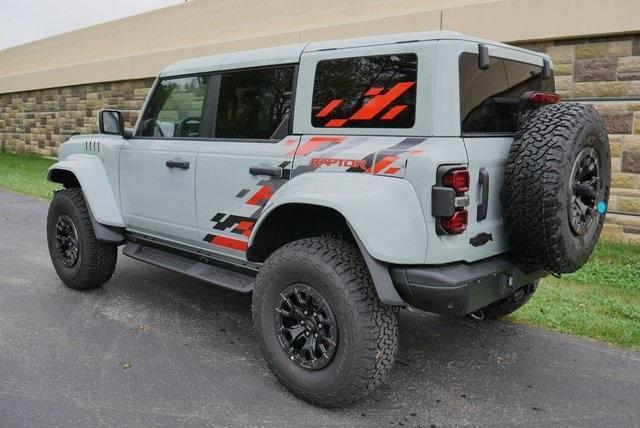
(488, 119)
(485, 232)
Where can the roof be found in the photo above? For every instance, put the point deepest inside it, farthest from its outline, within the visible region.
(289, 54)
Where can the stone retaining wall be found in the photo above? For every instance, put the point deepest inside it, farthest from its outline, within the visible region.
(604, 71)
(39, 121)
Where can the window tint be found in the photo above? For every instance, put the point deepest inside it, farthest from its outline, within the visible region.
(176, 108)
(489, 98)
(365, 92)
(255, 103)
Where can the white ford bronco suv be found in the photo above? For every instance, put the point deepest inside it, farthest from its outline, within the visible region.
(338, 182)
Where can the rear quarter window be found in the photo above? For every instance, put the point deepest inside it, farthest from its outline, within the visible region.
(365, 92)
(489, 98)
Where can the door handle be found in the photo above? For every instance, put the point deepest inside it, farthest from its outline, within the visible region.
(177, 163)
(273, 171)
(484, 205)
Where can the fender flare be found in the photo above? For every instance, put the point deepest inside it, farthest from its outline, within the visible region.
(380, 276)
(383, 214)
(97, 190)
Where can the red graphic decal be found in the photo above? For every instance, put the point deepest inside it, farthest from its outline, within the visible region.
(232, 243)
(261, 196)
(335, 123)
(314, 142)
(391, 170)
(245, 227)
(290, 141)
(416, 152)
(348, 163)
(395, 110)
(380, 102)
(371, 108)
(329, 108)
(373, 91)
(383, 163)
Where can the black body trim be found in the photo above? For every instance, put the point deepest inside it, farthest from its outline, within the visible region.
(460, 288)
(110, 234)
(379, 272)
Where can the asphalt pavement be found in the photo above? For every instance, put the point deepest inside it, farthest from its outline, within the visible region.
(155, 348)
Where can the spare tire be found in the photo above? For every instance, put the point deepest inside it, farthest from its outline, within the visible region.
(556, 187)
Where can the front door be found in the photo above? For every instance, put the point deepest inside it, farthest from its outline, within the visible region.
(249, 159)
(158, 165)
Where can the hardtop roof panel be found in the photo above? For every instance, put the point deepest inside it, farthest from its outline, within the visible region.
(290, 54)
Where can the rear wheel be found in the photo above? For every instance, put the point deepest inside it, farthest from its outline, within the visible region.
(80, 260)
(323, 330)
(508, 305)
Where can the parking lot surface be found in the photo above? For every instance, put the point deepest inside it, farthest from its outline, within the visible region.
(152, 347)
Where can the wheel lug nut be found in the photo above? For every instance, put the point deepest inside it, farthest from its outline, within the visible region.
(302, 322)
(315, 335)
(307, 334)
(306, 313)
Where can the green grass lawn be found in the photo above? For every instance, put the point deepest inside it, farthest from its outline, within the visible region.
(601, 301)
(26, 174)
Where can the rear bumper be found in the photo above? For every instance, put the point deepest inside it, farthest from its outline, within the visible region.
(460, 288)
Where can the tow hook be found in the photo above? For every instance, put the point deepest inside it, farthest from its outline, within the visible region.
(477, 315)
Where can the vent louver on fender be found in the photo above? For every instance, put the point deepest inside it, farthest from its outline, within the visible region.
(92, 146)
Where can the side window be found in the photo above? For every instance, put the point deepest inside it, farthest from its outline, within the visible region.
(255, 104)
(489, 98)
(175, 110)
(365, 92)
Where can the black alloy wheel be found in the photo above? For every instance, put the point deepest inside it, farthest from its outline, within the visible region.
(306, 327)
(67, 241)
(585, 194)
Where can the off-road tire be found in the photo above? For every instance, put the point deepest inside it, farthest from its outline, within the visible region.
(368, 331)
(97, 260)
(538, 186)
(510, 304)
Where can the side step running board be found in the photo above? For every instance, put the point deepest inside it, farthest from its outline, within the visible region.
(213, 274)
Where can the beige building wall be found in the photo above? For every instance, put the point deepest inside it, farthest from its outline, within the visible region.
(139, 46)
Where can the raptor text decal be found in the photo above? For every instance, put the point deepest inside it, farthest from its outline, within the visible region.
(347, 163)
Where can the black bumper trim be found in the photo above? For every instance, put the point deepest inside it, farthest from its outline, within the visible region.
(460, 288)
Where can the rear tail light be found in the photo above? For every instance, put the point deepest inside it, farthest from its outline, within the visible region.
(458, 180)
(457, 223)
(544, 98)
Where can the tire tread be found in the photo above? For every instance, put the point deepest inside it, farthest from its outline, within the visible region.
(377, 329)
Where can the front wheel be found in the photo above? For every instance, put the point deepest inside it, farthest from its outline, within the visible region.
(324, 332)
(80, 260)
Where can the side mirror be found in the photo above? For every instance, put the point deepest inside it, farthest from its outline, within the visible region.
(111, 122)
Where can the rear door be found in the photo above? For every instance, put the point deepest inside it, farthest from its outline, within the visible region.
(488, 121)
(250, 157)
